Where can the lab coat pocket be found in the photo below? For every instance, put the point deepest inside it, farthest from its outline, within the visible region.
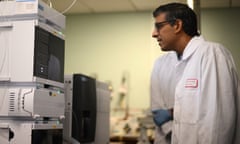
(189, 107)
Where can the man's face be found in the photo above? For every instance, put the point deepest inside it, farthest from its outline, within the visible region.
(164, 33)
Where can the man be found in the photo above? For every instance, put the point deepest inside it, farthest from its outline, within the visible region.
(206, 102)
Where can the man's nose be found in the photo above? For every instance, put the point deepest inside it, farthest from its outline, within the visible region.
(154, 33)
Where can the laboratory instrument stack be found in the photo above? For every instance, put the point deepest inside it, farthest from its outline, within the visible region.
(32, 99)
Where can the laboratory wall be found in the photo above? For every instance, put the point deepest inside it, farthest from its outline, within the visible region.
(110, 46)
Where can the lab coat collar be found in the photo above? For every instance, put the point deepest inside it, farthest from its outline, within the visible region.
(191, 47)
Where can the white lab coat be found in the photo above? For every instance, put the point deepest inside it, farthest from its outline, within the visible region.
(206, 97)
(163, 86)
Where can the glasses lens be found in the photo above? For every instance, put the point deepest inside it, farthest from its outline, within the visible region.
(159, 25)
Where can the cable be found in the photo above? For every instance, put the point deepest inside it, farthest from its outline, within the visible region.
(69, 7)
(61, 13)
(50, 3)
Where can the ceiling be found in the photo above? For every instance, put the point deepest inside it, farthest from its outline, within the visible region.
(103, 6)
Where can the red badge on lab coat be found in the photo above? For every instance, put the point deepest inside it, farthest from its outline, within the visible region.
(191, 83)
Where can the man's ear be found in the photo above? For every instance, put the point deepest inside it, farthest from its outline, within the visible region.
(178, 26)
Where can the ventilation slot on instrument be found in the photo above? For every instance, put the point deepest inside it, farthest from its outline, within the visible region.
(12, 101)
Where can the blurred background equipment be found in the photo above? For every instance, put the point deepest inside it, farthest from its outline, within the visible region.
(87, 110)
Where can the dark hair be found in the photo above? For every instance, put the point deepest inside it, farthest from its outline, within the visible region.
(180, 11)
